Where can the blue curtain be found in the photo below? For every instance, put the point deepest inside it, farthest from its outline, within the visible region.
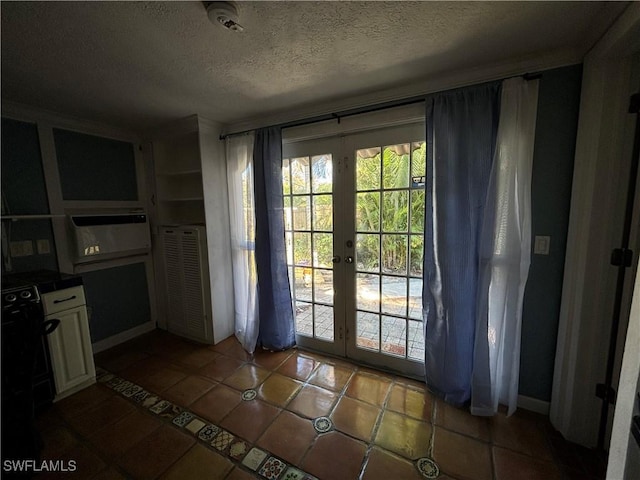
(461, 135)
(276, 330)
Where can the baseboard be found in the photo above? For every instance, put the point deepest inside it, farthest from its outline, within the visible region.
(123, 337)
(533, 405)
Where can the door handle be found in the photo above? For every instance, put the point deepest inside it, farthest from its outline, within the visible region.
(348, 259)
(336, 259)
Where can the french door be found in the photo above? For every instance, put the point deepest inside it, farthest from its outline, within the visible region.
(354, 221)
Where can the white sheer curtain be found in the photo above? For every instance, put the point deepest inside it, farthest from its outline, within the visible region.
(242, 214)
(505, 253)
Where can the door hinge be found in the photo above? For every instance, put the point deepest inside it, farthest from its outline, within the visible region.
(622, 257)
(607, 394)
(347, 334)
(340, 333)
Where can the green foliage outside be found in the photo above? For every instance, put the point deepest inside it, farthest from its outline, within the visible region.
(389, 209)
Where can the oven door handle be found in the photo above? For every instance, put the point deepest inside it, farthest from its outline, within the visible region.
(65, 299)
(48, 326)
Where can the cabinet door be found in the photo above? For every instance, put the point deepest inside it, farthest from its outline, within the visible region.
(71, 353)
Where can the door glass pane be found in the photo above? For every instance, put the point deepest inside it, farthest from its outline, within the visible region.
(322, 174)
(286, 177)
(323, 321)
(415, 298)
(368, 331)
(395, 211)
(368, 292)
(323, 286)
(368, 252)
(416, 253)
(304, 318)
(323, 212)
(395, 166)
(394, 333)
(417, 211)
(394, 254)
(418, 158)
(302, 248)
(368, 212)
(368, 169)
(394, 295)
(300, 175)
(303, 283)
(301, 212)
(416, 340)
(323, 250)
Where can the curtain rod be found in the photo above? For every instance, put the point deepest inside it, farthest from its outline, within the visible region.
(360, 110)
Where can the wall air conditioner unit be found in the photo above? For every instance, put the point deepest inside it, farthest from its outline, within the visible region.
(109, 236)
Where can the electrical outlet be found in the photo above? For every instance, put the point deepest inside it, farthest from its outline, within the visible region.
(541, 245)
(43, 246)
(21, 249)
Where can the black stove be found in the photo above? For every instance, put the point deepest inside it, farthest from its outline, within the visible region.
(27, 377)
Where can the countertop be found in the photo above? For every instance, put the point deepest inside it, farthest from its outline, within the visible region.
(46, 280)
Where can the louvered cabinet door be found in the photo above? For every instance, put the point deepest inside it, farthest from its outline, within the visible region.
(171, 245)
(194, 311)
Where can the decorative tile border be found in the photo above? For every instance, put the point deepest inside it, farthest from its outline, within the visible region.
(238, 450)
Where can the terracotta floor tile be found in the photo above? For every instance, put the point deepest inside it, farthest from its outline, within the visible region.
(123, 361)
(161, 379)
(331, 376)
(335, 456)
(196, 358)
(114, 439)
(368, 388)
(84, 400)
(247, 376)
(103, 414)
(220, 368)
(142, 369)
(238, 474)
(521, 432)
(156, 452)
(415, 403)
(313, 402)
(57, 441)
(462, 421)
(462, 457)
(199, 462)
(383, 465)
(278, 389)
(186, 391)
(270, 360)
(231, 347)
(88, 464)
(216, 403)
(288, 437)
(109, 474)
(403, 435)
(298, 366)
(250, 419)
(355, 418)
(509, 465)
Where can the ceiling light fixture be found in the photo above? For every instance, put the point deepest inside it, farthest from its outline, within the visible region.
(224, 14)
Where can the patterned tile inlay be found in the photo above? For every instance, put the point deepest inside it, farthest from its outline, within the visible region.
(195, 425)
(428, 468)
(184, 418)
(249, 395)
(222, 441)
(272, 468)
(254, 458)
(236, 448)
(208, 432)
(322, 424)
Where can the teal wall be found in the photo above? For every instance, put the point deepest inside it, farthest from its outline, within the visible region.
(558, 108)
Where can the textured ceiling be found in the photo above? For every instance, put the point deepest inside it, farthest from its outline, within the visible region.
(136, 65)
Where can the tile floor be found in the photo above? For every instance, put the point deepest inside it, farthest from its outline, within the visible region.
(167, 408)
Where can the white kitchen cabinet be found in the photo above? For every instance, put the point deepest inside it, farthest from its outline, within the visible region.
(70, 343)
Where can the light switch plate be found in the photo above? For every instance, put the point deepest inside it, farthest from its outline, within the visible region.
(43, 246)
(541, 245)
(21, 249)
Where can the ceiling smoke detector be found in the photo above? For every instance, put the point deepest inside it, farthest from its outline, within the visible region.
(225, 14)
